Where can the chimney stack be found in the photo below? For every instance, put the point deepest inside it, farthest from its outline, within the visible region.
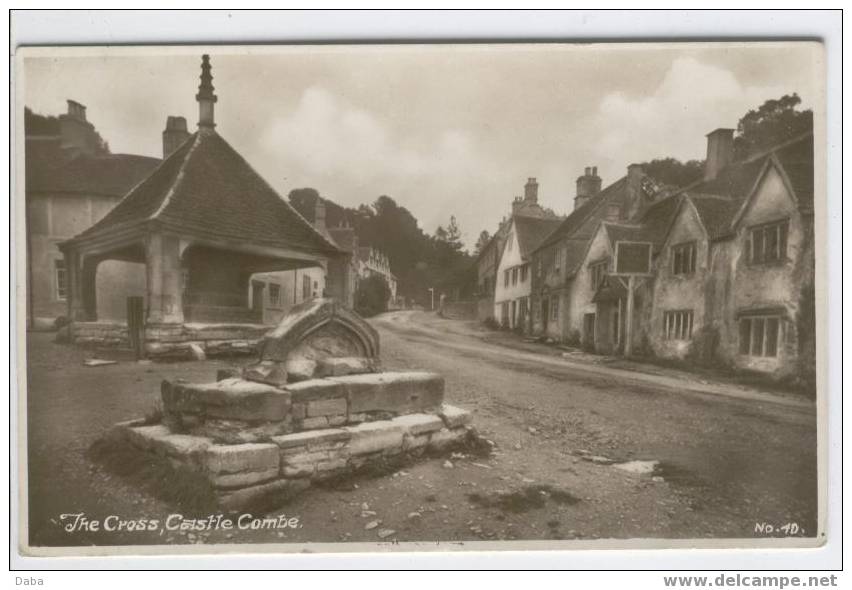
(205, 97)
(720, 152)
(174, 135)
(76, 132)
(531, 190)
(588, 186)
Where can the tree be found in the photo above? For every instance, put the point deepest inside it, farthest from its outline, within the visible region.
(670, 171)
(773, 122)
(481, 242)
(372, 296)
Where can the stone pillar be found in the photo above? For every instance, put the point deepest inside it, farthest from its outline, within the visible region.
(76, 310)
(163, 272)
(88, 288)
(337, 282)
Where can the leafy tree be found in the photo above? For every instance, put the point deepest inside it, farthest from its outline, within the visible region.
(372, 296)
(773, 122)
(670, 171)
(481, 242)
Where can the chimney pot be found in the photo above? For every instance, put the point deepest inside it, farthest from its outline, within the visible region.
(720, 151)
(531, 190)
(174, 135)
(588, 185)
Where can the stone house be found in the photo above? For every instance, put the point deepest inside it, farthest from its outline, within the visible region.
(71, 181)
(731, 272)
(570, 263)
(513, 288)
(488, 260)
(747, 298)
(374, 262)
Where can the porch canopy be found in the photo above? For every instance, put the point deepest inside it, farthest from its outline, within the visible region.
(202, 223)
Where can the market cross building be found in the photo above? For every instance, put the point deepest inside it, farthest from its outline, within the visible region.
(202, 223)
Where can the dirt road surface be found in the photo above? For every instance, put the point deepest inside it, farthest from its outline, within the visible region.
(727, 461)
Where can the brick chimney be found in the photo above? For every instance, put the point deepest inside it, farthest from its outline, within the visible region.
(205, 97)
(588, 185)
(76, 132)
(531, 190)
(634, 195)
(174, 135)
(720, 151)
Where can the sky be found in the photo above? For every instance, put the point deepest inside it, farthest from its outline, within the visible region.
(444, 130)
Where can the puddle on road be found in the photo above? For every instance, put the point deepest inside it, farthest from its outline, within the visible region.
(639, 467)
(677, 475)
(523, 500)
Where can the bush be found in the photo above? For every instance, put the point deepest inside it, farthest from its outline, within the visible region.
(491, 323)
(704, 347)
(372, 296)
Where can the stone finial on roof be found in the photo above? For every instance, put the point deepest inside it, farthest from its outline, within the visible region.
(205, 97)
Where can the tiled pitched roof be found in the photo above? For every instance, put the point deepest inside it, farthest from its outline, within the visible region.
(718, 200)
(716, 213)
(586, 217)
(206, 186)
(531, 231)
(51, 169)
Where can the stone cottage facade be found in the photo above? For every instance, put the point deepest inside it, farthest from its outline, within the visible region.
(489, 258)
(732, 271)
(72, 180)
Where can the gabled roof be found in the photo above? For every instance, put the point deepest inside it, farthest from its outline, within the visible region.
(586, 216)
(52, 169)
(531, 231)
(205, 186)
(716, 213)
(719, 200)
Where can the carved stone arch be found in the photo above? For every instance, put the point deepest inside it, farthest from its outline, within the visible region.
(320, 329)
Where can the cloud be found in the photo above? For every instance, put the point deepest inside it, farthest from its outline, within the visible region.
(693, 99)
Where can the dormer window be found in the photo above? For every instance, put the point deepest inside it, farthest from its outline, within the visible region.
(683, 258)
(768, 243)
(597, 271)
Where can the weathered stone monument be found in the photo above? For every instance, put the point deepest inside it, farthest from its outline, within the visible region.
(314, 406)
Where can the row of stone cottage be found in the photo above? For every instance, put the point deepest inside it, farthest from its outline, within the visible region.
(731, 276)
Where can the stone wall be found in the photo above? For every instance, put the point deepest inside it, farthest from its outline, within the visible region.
(246, 474)
(108, 334)
(179, 340)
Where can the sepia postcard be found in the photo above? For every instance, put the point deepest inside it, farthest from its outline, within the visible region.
(420, 297)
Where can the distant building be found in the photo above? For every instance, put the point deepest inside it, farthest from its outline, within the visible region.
(374, 262)
(72, 181)
(513, 288)
(488, 259)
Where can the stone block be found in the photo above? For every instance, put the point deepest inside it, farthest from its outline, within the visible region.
(312, 438)
(300, 369)
(188, 449)
(455, 417)
(332, 465)
(243, 478)
(371, 437)
(312, 423)
(415, 441)
(336, 367)
(231, 373)
(234, 399)
(275, 491)
(268, 372)
(241, 458)
(338, 420)
(447, 438)
(397, 393)
(419, 423)
(327, 407)
(315, 389)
